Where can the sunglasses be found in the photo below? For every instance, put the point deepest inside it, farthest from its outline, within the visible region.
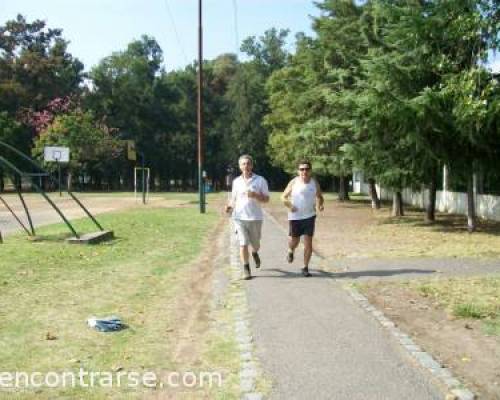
(304, 169)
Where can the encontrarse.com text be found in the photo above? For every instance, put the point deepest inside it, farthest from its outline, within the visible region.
(128, 379)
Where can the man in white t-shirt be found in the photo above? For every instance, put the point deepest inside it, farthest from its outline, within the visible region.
(249, 191)
(302, 197)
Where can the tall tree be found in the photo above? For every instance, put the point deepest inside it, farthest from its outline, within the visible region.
(35, 69)
(426, 52)
(393, 133)
(248, 99)
(123, 93)
(311, 99)
(92, 145)
(35, 66)
(470, 91)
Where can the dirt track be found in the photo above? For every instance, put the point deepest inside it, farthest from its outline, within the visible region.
(42, 213)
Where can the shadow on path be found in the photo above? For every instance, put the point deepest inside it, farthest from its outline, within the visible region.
(286, 274)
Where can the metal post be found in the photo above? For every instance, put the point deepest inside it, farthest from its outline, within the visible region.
(59, 177)
(85, 210)
(40, 190)
(17, 218)
(143, 180)
(147, 184)
(445, 188)
(200, 109)
(135, 184)
(18, 190)
(19, 174)
(475, 188)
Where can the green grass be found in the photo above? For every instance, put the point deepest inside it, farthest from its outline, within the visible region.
(411, 236)
(492, 327)
(222, 352)
(473, 298)
(470, 310)
(49, 286)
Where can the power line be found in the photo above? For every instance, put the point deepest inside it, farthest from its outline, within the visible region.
(179, 43)
(236, 34)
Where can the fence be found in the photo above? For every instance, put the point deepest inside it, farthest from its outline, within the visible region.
(487, 206)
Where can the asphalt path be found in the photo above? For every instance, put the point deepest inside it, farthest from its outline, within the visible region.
(315, 342)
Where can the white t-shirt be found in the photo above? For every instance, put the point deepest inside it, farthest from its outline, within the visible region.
(303, 197)
(245, 208)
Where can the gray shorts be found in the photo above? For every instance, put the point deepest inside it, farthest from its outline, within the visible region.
(249, 232)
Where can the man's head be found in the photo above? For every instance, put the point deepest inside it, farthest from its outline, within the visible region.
(304, 169)
(246, 163)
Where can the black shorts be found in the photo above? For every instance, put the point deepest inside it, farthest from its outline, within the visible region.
(299, 227)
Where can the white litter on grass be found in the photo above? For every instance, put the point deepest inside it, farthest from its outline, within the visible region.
(105, 324)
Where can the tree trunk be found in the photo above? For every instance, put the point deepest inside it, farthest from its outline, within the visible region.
(430, 215)
(471, 207)
(346, 188)
(373, 194)
(70, 181)
(397, 204)
(343, 188)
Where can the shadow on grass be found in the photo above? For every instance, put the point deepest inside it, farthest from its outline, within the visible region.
(416, 217)
(62, 237)
(444, 223)
(50, 237)
(287, 274)
(354, 203)
(359, 202)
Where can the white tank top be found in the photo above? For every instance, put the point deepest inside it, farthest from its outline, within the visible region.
(304, 199)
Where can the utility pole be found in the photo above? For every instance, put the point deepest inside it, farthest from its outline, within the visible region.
(201, 186)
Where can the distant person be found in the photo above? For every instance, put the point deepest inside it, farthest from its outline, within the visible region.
(302, 197)
(248, 192)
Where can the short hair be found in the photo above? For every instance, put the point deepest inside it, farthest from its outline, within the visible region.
(302, 162)
(245, 157)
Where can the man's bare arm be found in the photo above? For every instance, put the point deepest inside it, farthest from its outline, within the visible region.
(231, 202)
(285, 197)
(320, 200)
(263, 198)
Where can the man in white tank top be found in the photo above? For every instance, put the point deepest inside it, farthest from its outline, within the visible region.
(302, 197)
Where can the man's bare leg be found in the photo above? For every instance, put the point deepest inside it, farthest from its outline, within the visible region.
(293, 242)
(244, 254)
(255, 255)
(307, 254)
(246, 264)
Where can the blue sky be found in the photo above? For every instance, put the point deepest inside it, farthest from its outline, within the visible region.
(96, 28)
